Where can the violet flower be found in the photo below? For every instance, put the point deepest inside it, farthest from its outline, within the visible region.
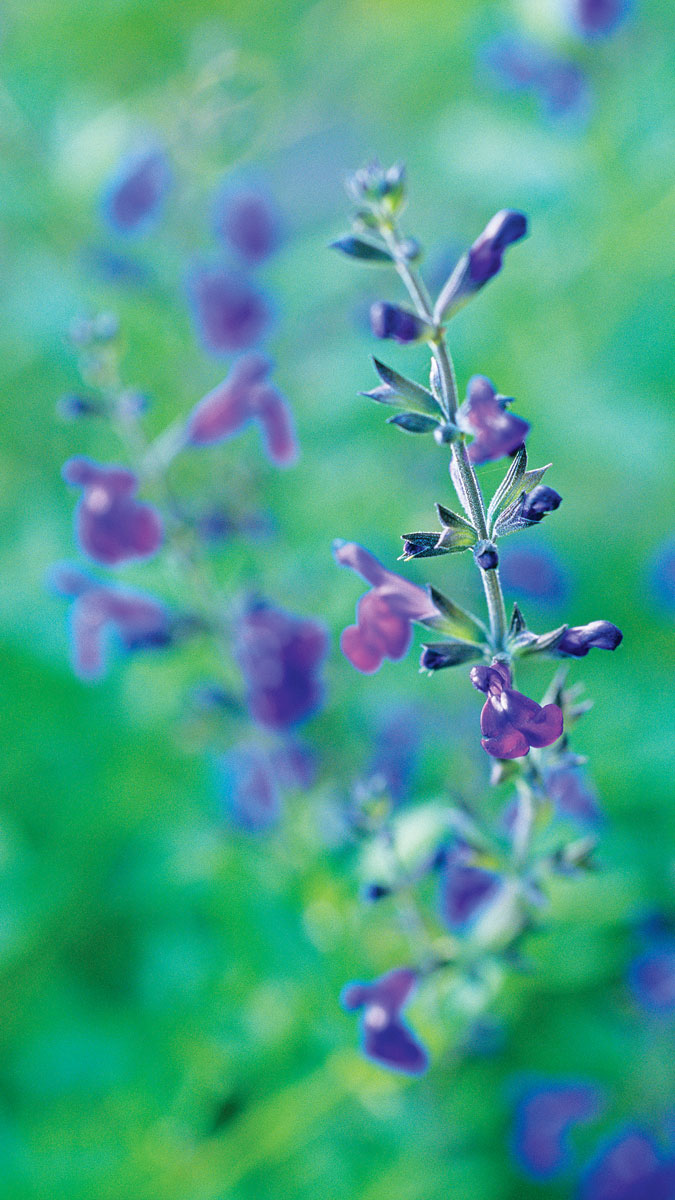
(112, 526)
(396, 752)
(495, 431)
(578, 640)
(599, 18)
(100, 613)
(387, 1040)
(248, 221)
(244, 396)
(651, 977)
(467, 889)
(629, 1167)
(229, 310)
(520, 65)
(279, 656)
(510, 722)
(545, 1116)
(135, 194)
(481, 262)
(568, 788)
(384, 615)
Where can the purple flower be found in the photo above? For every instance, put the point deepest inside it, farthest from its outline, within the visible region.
(533, 572)
(392, 321)
(99, 611)
(629, 1167)
(248, 787)
(495, 431)
(520, 65)
(662, 574)
(599, 18)
(396, 750)
(510, 722)
(135, 195)
(482, 262)
(580, 638)
(247, 219)
(467, 889)
(112, 526)
(538, 502)
(386, 1038)
(568, 788)
(230, 312)
(544, 1118)
(245, 395)
(651, 977)
(279, 656)
(384, 615)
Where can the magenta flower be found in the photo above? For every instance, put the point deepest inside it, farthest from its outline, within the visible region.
(384, 615)
(244, 396)
(495, 431)
(386, 1038)
(137, 191)
(545, 1116)
(112, 526)
(229, 310)
(100, 613)
(510, 722)
(247, 219)
(578, 640)
(279, 656)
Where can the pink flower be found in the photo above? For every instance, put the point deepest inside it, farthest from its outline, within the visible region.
(246, 395)
(510, 722)
(384, 615)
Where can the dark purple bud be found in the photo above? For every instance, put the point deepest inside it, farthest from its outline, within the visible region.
(448, 654)
(534, 572)
(495, 431)
(230, 312)
(628, 1168)
(599, 18)
(387, 1040)
(486, 254)
(248, 788)
(112, 526)
(384, 615)
(580, 638)
(538, 502)
(279, 656)
(510, 722)
(375, 891)
(485, 554)
(651, 977)
(544, 1118)
(248, 221)
(391, 321)
(135, 195)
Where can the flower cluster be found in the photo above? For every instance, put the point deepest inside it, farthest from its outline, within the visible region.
(493, 877)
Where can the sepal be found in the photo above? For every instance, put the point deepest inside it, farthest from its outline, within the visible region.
(398, 390)
(518, 480)
(413, 422)
(421, 545)
(452, 620)
(437, 655)
(527, 642)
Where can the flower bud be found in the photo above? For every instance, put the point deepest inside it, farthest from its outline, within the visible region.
(391, 321)
(485, 554)
(538, 502)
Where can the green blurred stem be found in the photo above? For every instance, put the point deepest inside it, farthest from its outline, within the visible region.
(448, 381)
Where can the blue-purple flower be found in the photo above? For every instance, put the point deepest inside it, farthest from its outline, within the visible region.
(599, 18)
(247, 219)
(467, 889)
(481, 262)
(384, 615)
(579, 639)
(279, 656)
(651, 977)
(244, 396)
(101, 613)
(112, 525)
(230, 311)
(521, 65)
(496, 432)
(629, 1167)
(569, 789)
(510, 722)
(386, 1038)
(396, 749)
(545, 1115)
(134, 197)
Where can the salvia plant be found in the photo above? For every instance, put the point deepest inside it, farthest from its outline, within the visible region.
(493, 875)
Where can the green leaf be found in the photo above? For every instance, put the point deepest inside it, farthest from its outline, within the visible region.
(366, 251)
(413, 422)
(415, 397)
(453, 620)
(456, 537)
(510, 481)
(453, 520)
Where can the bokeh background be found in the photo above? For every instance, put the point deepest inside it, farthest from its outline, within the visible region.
(170, 1025)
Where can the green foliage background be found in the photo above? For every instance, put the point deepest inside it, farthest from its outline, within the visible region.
(169, 1023)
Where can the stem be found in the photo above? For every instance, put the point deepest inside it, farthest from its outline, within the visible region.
(439, 348)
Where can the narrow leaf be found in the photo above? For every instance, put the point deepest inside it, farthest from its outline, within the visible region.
(418, 398)
(413, 422)
(517, 625)
(452, 519)
(359, 248)
(384, 395)
(453, 620)
(510, 480)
